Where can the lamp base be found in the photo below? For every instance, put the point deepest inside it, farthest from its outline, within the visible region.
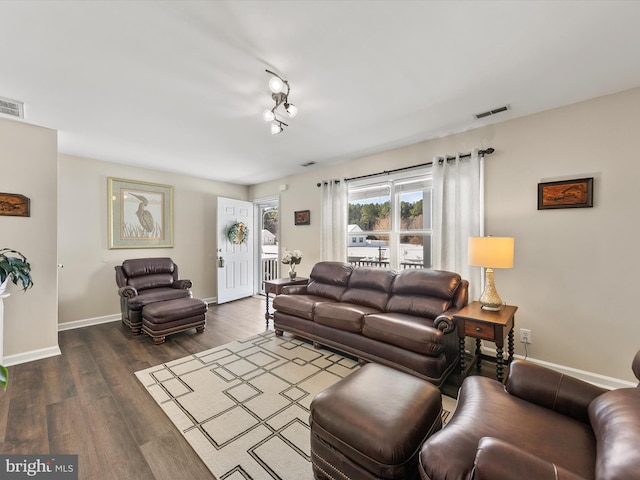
(490, 300)
(491, 308)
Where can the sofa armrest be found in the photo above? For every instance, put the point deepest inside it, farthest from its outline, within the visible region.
(183, 284)
(497, 460)
(444, 322)
(294, 289)
(128, 291)
(551, 389)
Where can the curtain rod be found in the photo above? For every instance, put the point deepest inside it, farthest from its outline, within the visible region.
(448, 158)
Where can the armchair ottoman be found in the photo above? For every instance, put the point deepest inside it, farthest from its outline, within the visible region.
(370, 425)
(160, 319)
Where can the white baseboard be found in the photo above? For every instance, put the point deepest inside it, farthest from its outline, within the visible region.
(25, 357)
(87, 322)
(603, 381)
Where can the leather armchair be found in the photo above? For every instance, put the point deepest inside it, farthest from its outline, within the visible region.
(541, 425)
(143, 281)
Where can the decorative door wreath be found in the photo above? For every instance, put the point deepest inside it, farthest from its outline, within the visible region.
(238, 233)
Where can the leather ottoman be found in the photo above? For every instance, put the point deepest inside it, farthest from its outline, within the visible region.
(160, 319)
(371, 425)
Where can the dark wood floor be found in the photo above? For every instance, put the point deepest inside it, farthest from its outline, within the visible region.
(88, 401)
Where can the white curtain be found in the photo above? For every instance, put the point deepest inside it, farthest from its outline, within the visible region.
(333, 221)
(458, 213)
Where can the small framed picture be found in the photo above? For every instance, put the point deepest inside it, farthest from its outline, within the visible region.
(566, 194)
(302, 217)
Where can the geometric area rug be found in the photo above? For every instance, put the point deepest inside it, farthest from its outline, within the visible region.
(244, 406)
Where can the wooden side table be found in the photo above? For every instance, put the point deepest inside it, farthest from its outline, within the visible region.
(275, 287)
(480, 324)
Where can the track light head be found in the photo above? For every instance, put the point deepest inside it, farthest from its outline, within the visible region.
(268, 115)
(291, 109)
(276, 84)
(276, 127)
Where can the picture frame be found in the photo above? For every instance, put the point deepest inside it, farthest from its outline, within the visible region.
(302, 217)
(576, 193)
(140, 214)
(15, 205)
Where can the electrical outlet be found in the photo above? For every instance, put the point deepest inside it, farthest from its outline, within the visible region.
(525, 335)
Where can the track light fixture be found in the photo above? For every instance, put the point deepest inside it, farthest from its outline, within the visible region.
(277, 86)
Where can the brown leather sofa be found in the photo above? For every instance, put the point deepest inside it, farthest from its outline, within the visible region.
(540, 425)
(400, 319)
(143, 281)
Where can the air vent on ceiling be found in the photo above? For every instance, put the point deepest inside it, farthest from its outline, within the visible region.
(11, 107)
(308, 164)
(478, 116)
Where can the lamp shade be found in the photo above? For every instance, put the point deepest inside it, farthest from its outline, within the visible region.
(491, 252)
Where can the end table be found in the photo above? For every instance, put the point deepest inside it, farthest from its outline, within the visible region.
(480, 324)
(275, 286)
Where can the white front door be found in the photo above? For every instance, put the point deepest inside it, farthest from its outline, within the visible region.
(235, 258)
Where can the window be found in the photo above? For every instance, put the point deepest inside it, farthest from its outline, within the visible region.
(391, 220)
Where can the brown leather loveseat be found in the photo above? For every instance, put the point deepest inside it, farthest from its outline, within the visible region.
(540, 425)
(143, 281)
(400, 319)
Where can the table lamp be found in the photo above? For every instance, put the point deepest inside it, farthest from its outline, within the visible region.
(491, 252)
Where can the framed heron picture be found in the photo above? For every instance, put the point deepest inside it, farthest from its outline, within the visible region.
(140, 214)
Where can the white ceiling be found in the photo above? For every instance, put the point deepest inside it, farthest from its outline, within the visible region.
(180, 86)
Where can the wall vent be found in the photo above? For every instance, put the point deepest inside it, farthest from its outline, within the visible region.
(11, 107)
(478, 116)
(308, 164)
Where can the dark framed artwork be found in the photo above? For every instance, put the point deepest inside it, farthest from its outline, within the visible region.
(15, 205)
(302, 217)
(140, 214)
(566, 194)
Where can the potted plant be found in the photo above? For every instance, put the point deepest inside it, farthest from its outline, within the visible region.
(4, 376)
(292, 259)
(14, 266)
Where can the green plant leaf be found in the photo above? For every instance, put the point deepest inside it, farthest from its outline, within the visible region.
(4, 377)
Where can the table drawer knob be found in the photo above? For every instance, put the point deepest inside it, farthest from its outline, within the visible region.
(477, 329)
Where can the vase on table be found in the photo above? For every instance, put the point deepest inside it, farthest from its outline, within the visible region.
(292, 272)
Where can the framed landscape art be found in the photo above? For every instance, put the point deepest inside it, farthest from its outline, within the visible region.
(140, 214)
(566, 194)
(302, 217)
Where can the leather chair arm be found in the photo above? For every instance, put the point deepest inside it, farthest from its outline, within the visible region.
(128, 292)
(183, 284)
(294, 289)
(444, 322)
(551, 389)
(497, 460)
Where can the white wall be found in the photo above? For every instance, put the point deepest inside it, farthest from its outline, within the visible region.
(28, 158)
(87, 288)
(574, 271)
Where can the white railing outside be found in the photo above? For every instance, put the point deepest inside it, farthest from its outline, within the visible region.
(268, 270)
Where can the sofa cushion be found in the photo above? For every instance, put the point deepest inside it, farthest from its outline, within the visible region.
(405, 331)
(329, 279)
(341, 315)
(370, 286)
(299, 305)
(423, 292)
(151, 281)
(146, 297)
(147, 266)
(616, 424)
